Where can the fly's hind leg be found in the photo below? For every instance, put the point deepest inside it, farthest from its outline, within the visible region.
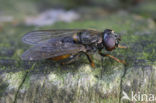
(74, 57)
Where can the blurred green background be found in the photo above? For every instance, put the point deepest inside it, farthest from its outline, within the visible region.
(21, 8)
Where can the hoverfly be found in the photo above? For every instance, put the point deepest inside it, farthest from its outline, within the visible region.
(69, 44)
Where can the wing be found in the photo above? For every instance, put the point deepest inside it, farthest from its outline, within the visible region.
(36, 37)
(52, 48)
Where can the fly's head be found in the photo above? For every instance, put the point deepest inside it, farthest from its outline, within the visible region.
(110, 39)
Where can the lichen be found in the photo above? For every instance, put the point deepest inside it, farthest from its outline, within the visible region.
(13, 79)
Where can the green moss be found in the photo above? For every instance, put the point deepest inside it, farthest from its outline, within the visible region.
(26, 83)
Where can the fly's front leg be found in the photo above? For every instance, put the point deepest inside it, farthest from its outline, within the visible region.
(116, 59)
(123, 47)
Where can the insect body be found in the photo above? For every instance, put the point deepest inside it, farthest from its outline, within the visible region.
(69, 44)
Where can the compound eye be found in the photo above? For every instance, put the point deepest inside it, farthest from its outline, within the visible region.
(109, 42)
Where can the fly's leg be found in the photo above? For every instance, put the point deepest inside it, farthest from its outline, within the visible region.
(123, 47)
(90, 60)
(74, 57)
(116, 59)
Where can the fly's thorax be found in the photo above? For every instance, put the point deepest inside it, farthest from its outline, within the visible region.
(86, 38)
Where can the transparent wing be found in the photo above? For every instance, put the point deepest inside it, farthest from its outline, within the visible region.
(36, 37)
(51, 48)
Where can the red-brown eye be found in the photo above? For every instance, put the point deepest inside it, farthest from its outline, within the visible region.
(109, 42)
